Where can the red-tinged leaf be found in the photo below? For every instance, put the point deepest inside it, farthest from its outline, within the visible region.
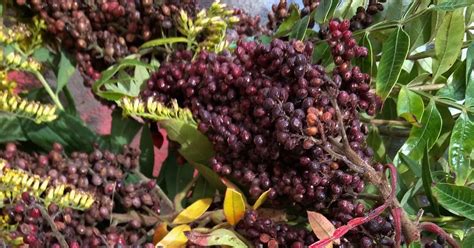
(234, 206)
(219, 237)
(160, 150)
(341, 231)
(322, 227)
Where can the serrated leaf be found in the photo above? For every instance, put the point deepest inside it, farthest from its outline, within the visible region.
(470, 76)
(325, 11)
(453, 4)
(459, 199)
(321, 226)
(234, 206)
(164, 41)
(424, 136)
(299, 29)
(448, 42)
(410, 106)
(461, 147)
(160, 232)
(287, 25)
(394, 53)
(175, 238)
(110, 89)
(261, 199)
(428, 181)
(193, 212)
(65, 71)
(219, 237)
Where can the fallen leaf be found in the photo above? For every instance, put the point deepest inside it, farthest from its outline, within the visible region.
(322, 227)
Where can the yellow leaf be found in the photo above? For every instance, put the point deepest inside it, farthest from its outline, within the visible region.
(234, 206)
(160, 232)
(193, 212)
(261, 199)
(175, 238)
(322, 227)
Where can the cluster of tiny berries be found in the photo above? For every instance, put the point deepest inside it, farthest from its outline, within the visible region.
(100, 173)
(100, 32)
(267, 110)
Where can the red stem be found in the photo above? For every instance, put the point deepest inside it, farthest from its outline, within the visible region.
(341, 231)
(433, 228)
(397, 216)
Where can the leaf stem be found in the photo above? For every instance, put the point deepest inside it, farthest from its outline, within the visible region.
(48, 89)
(427, 87)
(441, 219)
(380, 122)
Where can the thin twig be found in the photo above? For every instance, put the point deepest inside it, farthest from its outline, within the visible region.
(54, 229)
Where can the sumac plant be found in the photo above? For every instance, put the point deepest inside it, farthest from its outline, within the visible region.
(334, 123)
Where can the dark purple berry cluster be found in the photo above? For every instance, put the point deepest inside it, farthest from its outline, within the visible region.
(281, 11)
(101, 32)
(100, 173)
(364, 17)
(264, 232)
(267, 108)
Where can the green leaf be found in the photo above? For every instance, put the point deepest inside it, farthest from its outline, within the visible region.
(141, 74)
(367, 64)
(322, 54)
(68, 130)
(325, 11)
(347, 9)
(419, 31)
(10, 127)
(410, 106)
(448, 42)
(299, 30)
(287, 25)
(394, 52)
(194, 145)
(375, 141)
(176, 176)
(209, 175)
(428, 181)
(413, 165)
(65, 71)
(470, 76)
(110, 89)
(43, 55)
(203, 189)
(455, 90)
(453, 4)
(461, 147)
(468, 240)
(424, 136)
(123, 131)
(459, 199)
(164, 41)
(147, 155)
(219, 237)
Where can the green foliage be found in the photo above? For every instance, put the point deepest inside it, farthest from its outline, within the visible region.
(459, 199)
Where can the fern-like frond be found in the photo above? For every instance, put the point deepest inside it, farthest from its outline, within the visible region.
(154, 110)
(36, 111)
